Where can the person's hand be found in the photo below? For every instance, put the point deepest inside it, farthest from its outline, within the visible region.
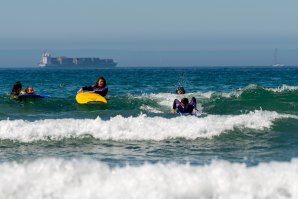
(173, 110)
(80, 90)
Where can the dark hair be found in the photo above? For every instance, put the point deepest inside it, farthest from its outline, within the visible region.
(180, 90)
(16, 88)
(103, 79)
(184, 101)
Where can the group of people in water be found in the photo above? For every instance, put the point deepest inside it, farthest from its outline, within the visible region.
(17, 89)
(184, 105)
(100, 87)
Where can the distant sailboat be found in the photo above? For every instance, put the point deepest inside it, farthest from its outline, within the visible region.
(276, 64)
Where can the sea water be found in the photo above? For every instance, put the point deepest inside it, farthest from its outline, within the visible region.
(243, 144)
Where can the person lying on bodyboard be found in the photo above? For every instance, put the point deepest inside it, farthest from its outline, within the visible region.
(184, 106)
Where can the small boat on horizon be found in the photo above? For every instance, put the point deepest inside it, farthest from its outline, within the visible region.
(276, 64)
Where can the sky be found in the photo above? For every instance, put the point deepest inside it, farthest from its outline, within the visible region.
(159, 32)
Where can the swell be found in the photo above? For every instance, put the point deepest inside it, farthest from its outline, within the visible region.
(254, 97)
(250, 98)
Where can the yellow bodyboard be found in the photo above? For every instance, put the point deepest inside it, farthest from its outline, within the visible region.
(84, 98)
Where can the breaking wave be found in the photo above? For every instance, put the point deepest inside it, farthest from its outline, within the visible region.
(57, 178)
(137, 128)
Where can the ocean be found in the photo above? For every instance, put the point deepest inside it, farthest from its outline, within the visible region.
(243, 144)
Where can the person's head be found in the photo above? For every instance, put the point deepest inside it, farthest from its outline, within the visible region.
(29, 90)
(16, 89)
(184, 102)
(180, 90)
(101, 82)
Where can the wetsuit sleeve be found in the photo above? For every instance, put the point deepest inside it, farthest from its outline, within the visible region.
(176, 103)
(103, 92)
(88, 88)
(193, 102)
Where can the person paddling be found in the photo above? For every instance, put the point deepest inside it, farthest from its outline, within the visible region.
(100, 87)
(184, 106)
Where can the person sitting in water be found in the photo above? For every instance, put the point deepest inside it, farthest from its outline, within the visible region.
(100, 87)
(29, 90)
(184, 106)
(16, 89)
(180, 90)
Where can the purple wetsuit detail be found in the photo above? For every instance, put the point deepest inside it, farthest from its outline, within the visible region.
(188, 109)
(101, 91)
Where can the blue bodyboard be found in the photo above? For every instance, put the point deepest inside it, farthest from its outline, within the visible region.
(23, 96)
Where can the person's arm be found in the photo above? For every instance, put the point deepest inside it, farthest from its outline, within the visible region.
(86, 88)
(103, 91)
(175, 105)
(193, 102)
(80, 90)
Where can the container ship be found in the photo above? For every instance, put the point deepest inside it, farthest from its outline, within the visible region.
(80, 62)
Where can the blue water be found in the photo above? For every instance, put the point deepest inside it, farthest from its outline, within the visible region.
(249, 116)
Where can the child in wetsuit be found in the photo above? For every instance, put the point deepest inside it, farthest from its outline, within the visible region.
(184, 106)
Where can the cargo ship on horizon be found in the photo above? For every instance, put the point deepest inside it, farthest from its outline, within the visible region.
(81, 62)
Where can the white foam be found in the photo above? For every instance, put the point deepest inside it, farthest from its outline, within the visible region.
(166, 99)
(57, 178)
(283, 88)
(150, 109)
(137, 128)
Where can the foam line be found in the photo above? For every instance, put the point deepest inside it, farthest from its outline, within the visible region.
(137, 128)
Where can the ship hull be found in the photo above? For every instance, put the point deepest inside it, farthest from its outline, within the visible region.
(70, 62)
(78, 66)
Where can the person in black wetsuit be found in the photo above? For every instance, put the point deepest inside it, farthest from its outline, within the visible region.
(100, 87)
(184, 106)
(180, 90)
(16, 89)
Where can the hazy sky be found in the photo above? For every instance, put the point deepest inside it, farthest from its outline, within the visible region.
(155, 25)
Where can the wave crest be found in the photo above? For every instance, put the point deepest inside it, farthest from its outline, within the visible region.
(137, 128)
